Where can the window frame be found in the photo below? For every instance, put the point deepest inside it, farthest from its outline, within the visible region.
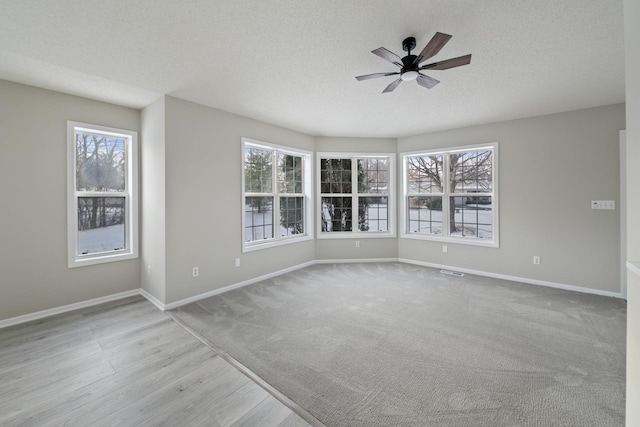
(130, 194)
(494, 242)
(307, 170)
(355, 233)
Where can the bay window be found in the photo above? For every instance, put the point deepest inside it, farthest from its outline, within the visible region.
(451, 195)
(276, 195)
(355, 195)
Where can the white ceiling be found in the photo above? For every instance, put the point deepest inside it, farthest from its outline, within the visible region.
(293, 62)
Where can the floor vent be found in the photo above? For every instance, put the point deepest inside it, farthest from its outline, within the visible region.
(452, 273)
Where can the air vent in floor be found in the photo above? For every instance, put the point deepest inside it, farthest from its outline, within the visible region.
(452, 273)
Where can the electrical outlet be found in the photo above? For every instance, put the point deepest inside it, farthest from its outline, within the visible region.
(148, 270)
(536, 260)
(357, 243)
(237, 262)
(195, 272)
(444, 248)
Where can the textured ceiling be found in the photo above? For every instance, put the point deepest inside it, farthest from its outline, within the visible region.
(293, 62)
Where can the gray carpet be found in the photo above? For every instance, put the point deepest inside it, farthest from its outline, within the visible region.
(394, 344)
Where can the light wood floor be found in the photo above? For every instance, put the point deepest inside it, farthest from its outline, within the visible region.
(124, 363)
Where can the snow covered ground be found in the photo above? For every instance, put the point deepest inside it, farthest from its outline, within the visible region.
(475, 219)
(101, 239)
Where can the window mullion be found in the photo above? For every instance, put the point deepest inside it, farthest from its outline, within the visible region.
(101, 194)
(303, 176)
(129, 166)
(355, 199)
(276, 216)
(276, 194)
(407, 196)
(446, 207)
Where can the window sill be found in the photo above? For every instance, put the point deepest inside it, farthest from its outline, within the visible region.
(101, 259)
(457, 240)
(250, 247)
(355, 235)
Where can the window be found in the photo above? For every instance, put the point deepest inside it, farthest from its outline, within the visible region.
(451, 195)
(276, 195)
(356, 195)
(102, 194)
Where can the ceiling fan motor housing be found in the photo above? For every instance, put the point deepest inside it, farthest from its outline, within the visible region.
(408, 66)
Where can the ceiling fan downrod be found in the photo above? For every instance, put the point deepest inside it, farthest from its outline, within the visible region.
(409, 69)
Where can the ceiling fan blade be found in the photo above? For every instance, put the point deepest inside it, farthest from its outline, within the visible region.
(426, 81)
(448, 63)
(392, 86)
(436, 43)
(388, 55)
(374, 76)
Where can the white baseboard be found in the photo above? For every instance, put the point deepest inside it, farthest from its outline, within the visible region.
(155, 301)
(516, 279)
(199, 297)
(354, 261)
(65, 308)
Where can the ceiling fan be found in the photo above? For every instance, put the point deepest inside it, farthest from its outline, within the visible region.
(410, 65)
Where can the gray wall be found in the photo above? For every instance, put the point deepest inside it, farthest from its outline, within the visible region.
(191, 200)
(550, 168)
(632, 64)
(204, 200)
(33, 226)
(335, 249)
(152, 201)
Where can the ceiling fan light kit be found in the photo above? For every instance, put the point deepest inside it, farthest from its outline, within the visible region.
(410, 65)
(409, 75)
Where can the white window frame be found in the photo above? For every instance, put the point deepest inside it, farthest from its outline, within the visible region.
(307, 166)
(494, 242)
(391, 195)
(130, 194)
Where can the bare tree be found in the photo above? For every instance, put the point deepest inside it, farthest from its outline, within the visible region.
(336, 179)
(469, 172)
(100, 167)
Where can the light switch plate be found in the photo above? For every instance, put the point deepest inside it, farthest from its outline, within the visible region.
(603, 204)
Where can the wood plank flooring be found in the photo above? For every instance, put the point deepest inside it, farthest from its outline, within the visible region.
(124, 363)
